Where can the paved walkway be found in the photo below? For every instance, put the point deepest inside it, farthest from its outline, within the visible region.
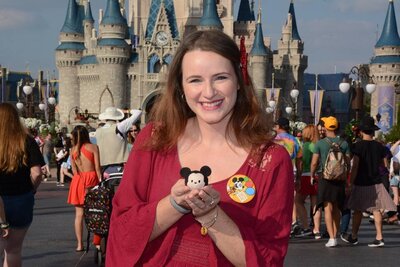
(51, 240)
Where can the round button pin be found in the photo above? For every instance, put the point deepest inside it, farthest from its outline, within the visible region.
(241, 188)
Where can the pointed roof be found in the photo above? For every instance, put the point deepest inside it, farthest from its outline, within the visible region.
(88, 13)
(295, 32)
(153, 15)
(390, 35)
(210, 16)
(70, 23)
(245, 13)
(259, 48)
(113, 14)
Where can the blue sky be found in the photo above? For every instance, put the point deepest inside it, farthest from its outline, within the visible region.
(338, 34)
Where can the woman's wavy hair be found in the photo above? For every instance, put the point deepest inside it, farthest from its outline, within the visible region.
(80, 136)
(249, 123)
(310, 133)
(13, 136)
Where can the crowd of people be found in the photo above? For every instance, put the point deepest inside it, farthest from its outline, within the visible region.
(257, 180)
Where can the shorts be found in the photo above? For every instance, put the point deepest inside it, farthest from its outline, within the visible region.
(19, 209)
(47, 158)
(395, 181)
(306, 188)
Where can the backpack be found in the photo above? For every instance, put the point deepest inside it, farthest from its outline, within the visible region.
(336, 167)
(97, 209)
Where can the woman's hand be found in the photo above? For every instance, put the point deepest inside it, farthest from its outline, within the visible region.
(202, 201)
(179, 191)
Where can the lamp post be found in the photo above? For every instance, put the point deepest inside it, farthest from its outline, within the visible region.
(27, 90)
(291, 109)
(361, 74)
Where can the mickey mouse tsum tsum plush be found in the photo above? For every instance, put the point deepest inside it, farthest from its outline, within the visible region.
(196, 179)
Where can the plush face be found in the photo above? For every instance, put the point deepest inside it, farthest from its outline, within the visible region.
(196, 179)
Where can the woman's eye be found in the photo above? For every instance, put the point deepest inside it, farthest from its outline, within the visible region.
(221, 77)
(194, 80)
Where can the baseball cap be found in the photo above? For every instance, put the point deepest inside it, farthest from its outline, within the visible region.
(330, 123)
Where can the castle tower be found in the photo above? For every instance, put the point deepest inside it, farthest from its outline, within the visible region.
(210, 19)
(245, 24)
(385, 71)
(258, 61)
(289, 61)
(112, 55)
(88, 25)
(68, 53)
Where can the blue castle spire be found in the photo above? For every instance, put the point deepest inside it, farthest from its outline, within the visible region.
(88, 13)
(71, 19)
(390, 35)
(295, 32)
(113, 14)
(245, 13)
(259, 48)
(210, 16)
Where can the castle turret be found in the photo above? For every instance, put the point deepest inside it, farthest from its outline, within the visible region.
(112, 55)
(68, 53)
(259, 61)
(210, 19)
(88, 24)
(385, 71)
(289, 61)
(245, 25)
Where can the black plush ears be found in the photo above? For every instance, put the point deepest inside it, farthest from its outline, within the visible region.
(205, 170)
(185, 172)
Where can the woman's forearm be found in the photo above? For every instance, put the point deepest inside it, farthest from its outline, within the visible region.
(166, 216)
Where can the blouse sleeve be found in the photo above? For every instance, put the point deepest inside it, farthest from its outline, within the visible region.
(35, 156)
(132, 217)
(266, 241)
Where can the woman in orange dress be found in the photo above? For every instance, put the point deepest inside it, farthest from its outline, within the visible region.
(86, 169)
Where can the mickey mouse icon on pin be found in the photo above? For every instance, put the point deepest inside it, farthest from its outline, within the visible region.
(196, 179)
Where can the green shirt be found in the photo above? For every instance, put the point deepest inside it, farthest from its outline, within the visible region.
(322, 148)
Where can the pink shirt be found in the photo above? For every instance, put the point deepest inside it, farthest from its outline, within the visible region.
(264, 222)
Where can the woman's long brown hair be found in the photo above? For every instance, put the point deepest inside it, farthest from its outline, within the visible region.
(12, 139)
(249, 123)
(80, 137)
(310, 133)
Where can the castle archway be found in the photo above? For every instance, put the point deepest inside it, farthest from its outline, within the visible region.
(148, 103)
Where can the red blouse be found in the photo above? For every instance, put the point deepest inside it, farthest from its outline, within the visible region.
(264, 222)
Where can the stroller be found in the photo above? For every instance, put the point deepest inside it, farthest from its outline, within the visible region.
(97, 212)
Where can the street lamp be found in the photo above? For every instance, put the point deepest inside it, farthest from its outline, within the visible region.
(361, 74)
(27, 90)
(292, 104)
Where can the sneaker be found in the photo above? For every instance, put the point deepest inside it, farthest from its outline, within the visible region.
(376, 243)
(303, 232)
(365, 214)
(331, 243)
(61, 184)
(58, 183)
(295, 229)
(45, 180)
(317, 235)
(349, 239)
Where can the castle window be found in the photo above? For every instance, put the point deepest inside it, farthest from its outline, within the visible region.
(379, 66)
(393, 65)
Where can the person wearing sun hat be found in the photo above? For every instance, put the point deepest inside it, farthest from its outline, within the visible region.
(111, 138)
(368, 192)
(331, 194)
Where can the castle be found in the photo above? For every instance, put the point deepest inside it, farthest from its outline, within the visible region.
(124, 62)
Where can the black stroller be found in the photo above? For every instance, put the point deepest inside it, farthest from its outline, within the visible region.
(97, 212)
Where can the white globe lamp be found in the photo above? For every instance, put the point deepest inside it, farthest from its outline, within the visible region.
(42, 106)
(20, 105)
(51, 100)
(288, 110)
(27, 89)
(272, 103)
(370, 88)
(344, 87)
(294, 93)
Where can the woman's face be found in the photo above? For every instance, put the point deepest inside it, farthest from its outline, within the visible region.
(210, 85)
(134, 131)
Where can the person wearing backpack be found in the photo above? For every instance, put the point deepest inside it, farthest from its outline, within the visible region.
(367, 189)
(333, 154)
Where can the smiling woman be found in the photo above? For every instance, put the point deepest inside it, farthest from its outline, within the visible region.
(206, 117)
